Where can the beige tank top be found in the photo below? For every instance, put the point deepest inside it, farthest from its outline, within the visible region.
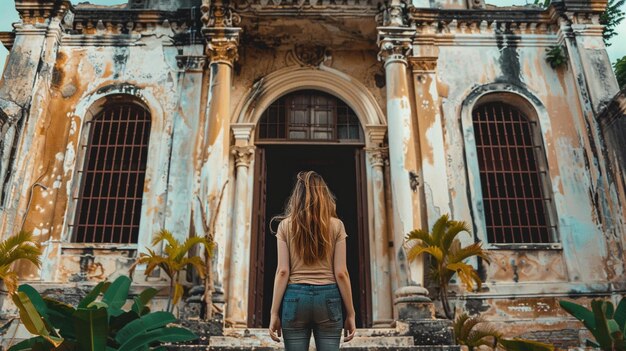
(322, 271)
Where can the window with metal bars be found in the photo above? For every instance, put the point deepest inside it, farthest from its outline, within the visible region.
(512, 175)
(109, 204)
(309, 116)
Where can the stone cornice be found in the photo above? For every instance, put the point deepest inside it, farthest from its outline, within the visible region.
(338, 8)
(39, 11)
(7, 39)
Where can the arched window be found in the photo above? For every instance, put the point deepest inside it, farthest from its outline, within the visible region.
(109, 204)
(309, 115)
(512, 174)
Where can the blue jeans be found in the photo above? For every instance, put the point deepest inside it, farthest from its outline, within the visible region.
(316, 308)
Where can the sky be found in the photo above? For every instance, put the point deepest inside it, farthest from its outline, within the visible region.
(8, 15)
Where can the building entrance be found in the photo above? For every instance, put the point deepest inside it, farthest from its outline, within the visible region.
(276, 166)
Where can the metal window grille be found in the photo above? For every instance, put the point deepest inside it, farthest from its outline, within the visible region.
(511, 180)
(109, 206)
(309, 115)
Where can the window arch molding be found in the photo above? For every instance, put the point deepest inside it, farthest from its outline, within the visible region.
(86, 110)
(529, 105)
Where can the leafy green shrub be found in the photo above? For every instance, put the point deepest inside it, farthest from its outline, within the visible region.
(98, 323)
(606, 324)
(555, 55)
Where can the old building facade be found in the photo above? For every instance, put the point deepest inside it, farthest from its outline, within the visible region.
(194, 115)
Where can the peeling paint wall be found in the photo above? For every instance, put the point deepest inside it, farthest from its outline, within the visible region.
(68, 68)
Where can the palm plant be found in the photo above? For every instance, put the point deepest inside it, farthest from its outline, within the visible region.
(467, 332)
(173, 260)
(15, 248)
(445, 248)
(475, 332)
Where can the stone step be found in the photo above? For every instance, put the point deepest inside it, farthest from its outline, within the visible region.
(266, 341)
(365, 348)
(243, 332)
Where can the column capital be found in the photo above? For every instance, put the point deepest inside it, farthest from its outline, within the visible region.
(243, 155)
(219, 20)
(191, 63)
(222, 47)
(379, 156)
(395, 44)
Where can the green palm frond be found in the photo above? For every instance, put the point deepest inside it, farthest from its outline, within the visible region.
(439, 229)
(454, 229)
(197, 263)
(474, 332)
(417, 250)
(458, 327)
(459, 254)
(165, 235)
(419, 234)
(189, 244)
(467, 274)
(20, 246)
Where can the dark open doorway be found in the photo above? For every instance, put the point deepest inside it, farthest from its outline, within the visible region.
(276, 169)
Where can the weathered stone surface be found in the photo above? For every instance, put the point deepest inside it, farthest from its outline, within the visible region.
(431, 332)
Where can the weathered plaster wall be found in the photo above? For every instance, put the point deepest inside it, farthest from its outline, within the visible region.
(51, 151)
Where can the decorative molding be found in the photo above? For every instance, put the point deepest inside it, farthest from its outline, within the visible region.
(242, 132)
(243, 155)
(335, 8)
(423, 64)
(394, 43)
(311, 55)
(219, 19)
(393, 13)
(219, 14)
(376, 133)
(191, 63)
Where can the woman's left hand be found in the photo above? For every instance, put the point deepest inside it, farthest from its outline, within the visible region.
(275, 330)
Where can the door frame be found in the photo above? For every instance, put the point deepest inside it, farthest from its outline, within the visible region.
(257, 247)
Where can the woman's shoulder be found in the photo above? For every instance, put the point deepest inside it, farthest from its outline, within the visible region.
(336, 223)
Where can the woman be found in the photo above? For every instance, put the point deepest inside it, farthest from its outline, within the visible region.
(311, 278)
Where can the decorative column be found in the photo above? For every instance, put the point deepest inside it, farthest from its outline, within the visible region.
(395, 42)
(240, 244)
(430, 127)
(222, 41)
(381, 275)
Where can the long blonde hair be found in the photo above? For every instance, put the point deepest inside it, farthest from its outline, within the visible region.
(309, 212)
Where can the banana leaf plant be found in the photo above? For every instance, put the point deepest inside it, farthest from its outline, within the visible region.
(98, 323)
(606, 323)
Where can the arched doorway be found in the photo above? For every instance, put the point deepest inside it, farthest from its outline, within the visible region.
(308, 130)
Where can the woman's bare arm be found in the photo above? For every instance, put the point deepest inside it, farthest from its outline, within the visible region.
(343, 281)
(280, 284)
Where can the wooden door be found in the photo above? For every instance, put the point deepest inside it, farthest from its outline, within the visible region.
(257, 247)
(365, 286)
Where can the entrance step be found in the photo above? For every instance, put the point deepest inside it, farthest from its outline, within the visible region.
(379, 339)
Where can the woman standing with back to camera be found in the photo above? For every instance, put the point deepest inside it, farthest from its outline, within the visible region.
(312, 277)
